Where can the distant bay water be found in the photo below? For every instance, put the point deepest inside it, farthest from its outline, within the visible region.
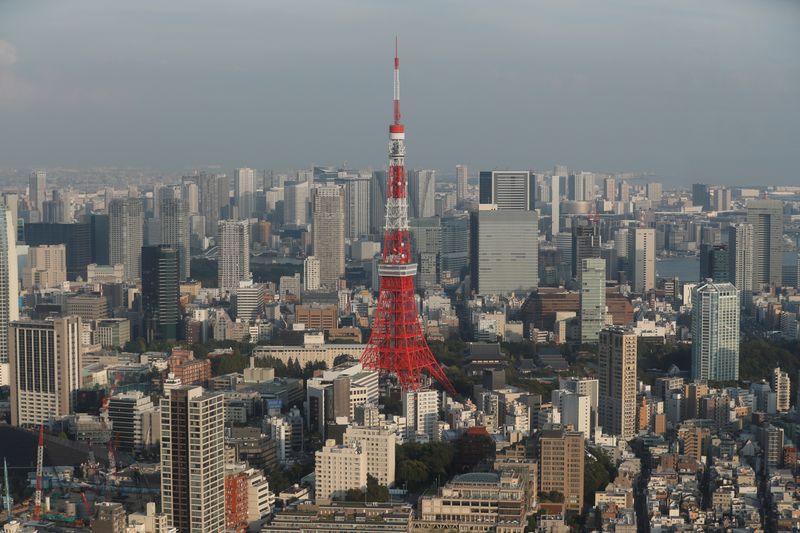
(688, 268)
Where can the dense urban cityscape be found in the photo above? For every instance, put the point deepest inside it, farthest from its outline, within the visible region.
(337, 349)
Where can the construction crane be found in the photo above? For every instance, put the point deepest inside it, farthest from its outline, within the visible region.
(7, 495)
(37, 505)
(86, 506)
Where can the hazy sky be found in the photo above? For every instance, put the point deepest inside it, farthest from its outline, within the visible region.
(688, 89)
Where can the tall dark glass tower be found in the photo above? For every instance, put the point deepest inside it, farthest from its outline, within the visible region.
(160, 292)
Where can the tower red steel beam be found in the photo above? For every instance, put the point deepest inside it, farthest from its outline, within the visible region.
(37, 499)
(397, 345)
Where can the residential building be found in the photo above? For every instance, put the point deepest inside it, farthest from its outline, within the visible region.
(328, 234)
(740, 256)
(109, 517)
(339, 468)
(46, 267)
(9, 288)
(234, 254)
(378, 444)
(642, 259)
(126, 225)
(617, 382)
(174, 218)
(421, 410)
(782, 387)
(561, 464)
(311, 280)
(244, 191)
(766, 217)
(295, 203)
(462, 182)
(715, 332)
(593, 299)
(421, 193)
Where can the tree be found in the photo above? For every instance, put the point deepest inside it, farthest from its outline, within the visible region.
(413, 472)
(375, 491)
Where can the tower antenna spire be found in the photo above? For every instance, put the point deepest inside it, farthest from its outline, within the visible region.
(396, 83)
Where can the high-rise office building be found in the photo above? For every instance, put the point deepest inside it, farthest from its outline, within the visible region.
(623, 192)
(426, 240)
(160, 292)
(580, 187)
(45, 360)
(234, 254)
(505, 250)
(561, 464)
(586, 243)
(555, 206)
(295, 203)
(244, 191)
(9, 287)
(132, 415)
(377, 202)
(421, 193)
(617, 382)
(76, 237)
(193, 459)
(766, 217)
(593, 299)
(46, 267)
(100, 230)
(190, 193)
(328, 234)
(462, 182)
(175, 231)
(37, 190)
(357, 198)
(609, 189)
(508, 189)
(213, 195)
(311, 273)
(454, 258)
(740, 256)
(715, 262)
(642, 259)
(126, 223)
(250, 300)
(653, 190)
(715, 332)
(700, 195)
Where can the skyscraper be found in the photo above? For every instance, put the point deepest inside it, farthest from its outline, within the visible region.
(126, 222)
(715, 262)
(555, 206)
(45, 372)
(454, 258)
(585, 243)
(715, 332)
(193, 459)
(9, 287)
(609, 189)
(76, 237)
(766, 217)
(505, 251)
(426, 244)
(561, 464)
(233, 254)
(311, 273)
(160, 292)
(175, 231)
(740, 256)
(328, 230)
(213, 195)
(580, 187)
(642, 259)
(653, 190)
(37, 190)
(700, 195)
(357, 199)
(421, 193)
(617, 376)
(593, 299)
(295, 203)
(508, 189)
(377, 203)
(462, 181)
(244, 191)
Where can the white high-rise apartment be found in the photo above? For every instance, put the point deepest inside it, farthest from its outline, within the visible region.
(126, 235)
(766, 217)
(378, 444)
(740, 258)
(339, 468)
(233, 254)
(175, 231)
(193, 459)
(421, 192)
(593, 299)
(642, 259)
(715, 332)
(37, 190)
(328, 234)
(311, 273)
(421, 409)
(462, 182)
(782, 387)
(45, 369)
(46, 268)
(9, 287)
(295, 203)
(617, 382)
(244, 191)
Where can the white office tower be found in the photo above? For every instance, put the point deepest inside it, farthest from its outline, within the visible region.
(585, 387)
(311, 273)
(126, 235)
(193, 459)
(244, 191)
(37, 189)
(462, 183)
(328, 234)
(715, 332)
(575, 410)
(642, 259)
(357, 199)
(421, 193)
(250, 300)
(593, 299)
(421, 410)
(233, 254)
(378, 444)
(766, 217)
(507, 251)
(295, 203)
(740, 257)
(175, 231)
(617, 382)
(782, 387)
(555, 205)
(45, 369)
(9, 287)
(339, 468)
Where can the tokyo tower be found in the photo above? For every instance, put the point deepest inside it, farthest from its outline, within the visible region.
(397, 344)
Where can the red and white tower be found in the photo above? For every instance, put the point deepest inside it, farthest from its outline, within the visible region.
(397, 344)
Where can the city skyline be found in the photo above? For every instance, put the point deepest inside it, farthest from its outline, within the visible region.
(720, 110)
